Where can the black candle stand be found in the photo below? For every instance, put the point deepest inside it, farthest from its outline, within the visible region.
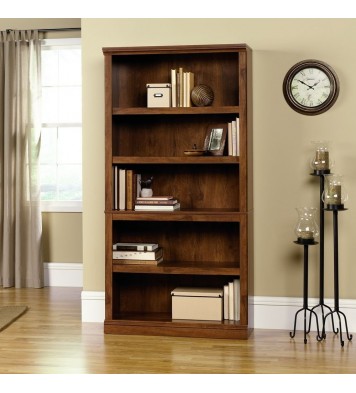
(306, 243)
(321, 303)
(335, 209)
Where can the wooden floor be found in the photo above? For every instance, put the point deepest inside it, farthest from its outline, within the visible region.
(51, 339)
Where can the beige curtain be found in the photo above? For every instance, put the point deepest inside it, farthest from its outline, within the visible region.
(20, 130)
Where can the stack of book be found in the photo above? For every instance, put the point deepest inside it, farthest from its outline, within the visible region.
(232, 300)
(157, 203)
(137, 253)
(126, 187)
(233, 137)
(182, 83)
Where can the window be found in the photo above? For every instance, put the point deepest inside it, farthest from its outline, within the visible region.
(61, 139)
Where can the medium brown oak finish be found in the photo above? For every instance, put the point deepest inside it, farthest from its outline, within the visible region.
(207, 242)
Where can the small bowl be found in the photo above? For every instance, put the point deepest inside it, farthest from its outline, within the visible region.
(195, 152)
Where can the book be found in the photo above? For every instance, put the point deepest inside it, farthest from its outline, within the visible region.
(234, 137)
(139, 255)
(174, 87)
(231, 301)
(135, 246)
(237, 136)
(115, 185)
(185, 82)
(129, 189)
(226, 301)
(181, 87)
(137, 261)
(229, 138)
(157, 202)
(157, 207)
(190, 85)
(122, 189)
(236, 282)
(158, 198)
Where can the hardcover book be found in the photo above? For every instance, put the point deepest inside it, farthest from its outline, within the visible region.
(138, 261)
(135, 246)
(157, 207)
(156, 198)
(157, 202)
(141, 255)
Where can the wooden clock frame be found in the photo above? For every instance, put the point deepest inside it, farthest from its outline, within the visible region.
(334, 87)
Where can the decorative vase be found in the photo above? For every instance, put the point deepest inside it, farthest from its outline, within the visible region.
(146, 192)
(306, 229)
(335, 193)
(321, 159)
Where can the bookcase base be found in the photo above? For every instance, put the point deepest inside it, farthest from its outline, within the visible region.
(174, 329)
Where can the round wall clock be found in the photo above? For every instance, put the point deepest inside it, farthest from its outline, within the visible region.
(311, 87)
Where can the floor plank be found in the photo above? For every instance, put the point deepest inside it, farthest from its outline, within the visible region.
(51, 339)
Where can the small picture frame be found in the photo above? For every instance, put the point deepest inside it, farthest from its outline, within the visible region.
(215, 139)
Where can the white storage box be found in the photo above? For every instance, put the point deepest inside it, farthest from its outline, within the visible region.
(197, 303)
(158, 95)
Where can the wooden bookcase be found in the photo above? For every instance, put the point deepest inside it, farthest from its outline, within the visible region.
(207, 242)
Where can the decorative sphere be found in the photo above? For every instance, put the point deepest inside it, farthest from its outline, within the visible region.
(202, 95)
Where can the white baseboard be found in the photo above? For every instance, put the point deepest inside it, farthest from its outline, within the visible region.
(279, 313)
(265, 312)
(93, 306)
(63, 274)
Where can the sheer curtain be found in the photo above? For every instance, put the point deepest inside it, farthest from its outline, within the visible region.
(20, 132)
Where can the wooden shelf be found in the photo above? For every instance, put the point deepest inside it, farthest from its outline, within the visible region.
(199, 160)
(223, 215)
(203, 268)
(177, 111)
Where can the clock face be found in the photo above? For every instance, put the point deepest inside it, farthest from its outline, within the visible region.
(311, 87)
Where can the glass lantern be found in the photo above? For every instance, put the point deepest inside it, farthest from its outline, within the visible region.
(335, 193)
(306, 229)
(321, 162)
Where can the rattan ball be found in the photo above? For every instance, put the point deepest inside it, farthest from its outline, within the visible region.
(202, 95)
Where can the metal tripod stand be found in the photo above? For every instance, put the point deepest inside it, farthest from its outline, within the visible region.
(306, 243)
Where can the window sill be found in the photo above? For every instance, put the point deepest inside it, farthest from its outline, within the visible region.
(62, 206)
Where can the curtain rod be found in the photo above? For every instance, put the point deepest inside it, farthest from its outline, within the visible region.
(60, 29)
(48, 30)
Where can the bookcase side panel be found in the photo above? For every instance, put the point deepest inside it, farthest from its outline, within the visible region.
(108, 133)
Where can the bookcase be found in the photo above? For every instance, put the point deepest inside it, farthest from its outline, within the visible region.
(206, 243)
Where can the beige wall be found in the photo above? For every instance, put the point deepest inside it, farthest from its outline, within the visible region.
(282, 138)
(62, 232)
(62, 237)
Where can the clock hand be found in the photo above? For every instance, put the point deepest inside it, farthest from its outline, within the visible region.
(310, 87)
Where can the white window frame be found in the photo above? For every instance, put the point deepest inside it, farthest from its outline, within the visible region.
(62, 206)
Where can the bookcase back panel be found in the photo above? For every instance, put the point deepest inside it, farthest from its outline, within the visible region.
(147, 294)
(215, 244)
(157, 136)
(195, 186)
(130, 74)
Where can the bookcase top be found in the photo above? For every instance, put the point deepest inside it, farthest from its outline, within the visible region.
(175, 49)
